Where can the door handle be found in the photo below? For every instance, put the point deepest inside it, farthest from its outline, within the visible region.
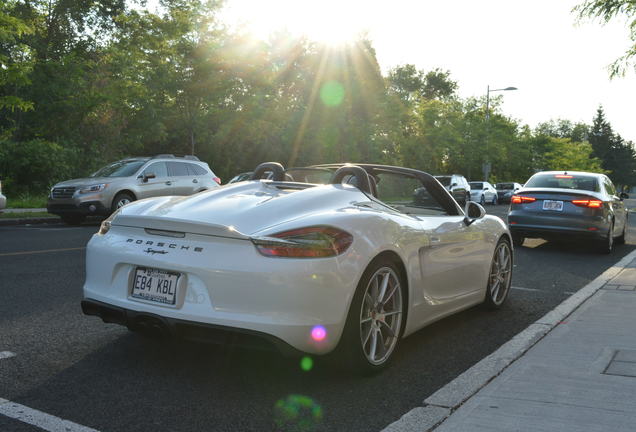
(168, 183)
(195, 181)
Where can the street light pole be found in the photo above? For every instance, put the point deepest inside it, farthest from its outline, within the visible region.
(486, 166)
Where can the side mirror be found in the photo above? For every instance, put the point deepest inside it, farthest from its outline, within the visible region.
(148, 176)
(473, 212)
(623, 196)
(454, 184)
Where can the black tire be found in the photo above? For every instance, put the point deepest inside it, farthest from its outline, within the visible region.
(482, 200)
(606, 245)
(121, 199)
(73, 219)
(500, 275)
(494, 200)
(621, 239)
(517, 239)
(352, 345)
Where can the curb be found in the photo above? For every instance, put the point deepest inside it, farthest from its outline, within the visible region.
(26, 221)
(441, 404)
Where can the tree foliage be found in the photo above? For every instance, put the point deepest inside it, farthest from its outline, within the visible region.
(606, 11)
(86, 82)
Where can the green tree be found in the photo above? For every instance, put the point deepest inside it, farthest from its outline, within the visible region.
(606, 11)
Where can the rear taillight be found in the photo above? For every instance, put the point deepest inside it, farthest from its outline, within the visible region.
(311, 242)
(518, 199)
(217, 180)
(589, 203)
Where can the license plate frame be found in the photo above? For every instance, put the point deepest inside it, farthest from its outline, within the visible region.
(160, 289)
(553, 205)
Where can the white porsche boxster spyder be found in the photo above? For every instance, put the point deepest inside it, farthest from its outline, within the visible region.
(351, 266)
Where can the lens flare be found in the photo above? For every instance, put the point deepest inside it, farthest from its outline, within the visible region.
(318, 333)
(332, 93)
(306, 363)
(297, 413)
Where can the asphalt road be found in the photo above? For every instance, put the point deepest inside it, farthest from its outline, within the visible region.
(104, 377)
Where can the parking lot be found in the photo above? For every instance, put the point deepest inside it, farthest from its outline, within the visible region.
(101, 376)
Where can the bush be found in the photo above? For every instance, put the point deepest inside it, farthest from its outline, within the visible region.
(34, 166)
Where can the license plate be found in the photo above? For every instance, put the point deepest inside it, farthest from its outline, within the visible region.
(553, 205)
(155, 285)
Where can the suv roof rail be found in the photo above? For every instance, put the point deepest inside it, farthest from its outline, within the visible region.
(191, 157)
(163, 156)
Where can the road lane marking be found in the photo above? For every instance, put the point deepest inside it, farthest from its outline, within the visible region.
(41, 251)
(38, 418)
(6, 354)
(524, 289)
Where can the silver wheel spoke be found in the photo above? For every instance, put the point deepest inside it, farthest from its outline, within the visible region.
(366, 338)
(385, 284)
(392, 313)
(388, 328)
(374, 343)
(495, 290)
(393, 290)
(365, 320)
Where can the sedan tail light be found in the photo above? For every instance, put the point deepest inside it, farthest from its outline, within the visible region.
(217, 180)
(590, 203)
(518, 199)
(310, 242)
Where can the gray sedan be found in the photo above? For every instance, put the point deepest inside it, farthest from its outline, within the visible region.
(555, 204)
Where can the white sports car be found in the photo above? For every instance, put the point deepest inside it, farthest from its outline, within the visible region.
(352, 266)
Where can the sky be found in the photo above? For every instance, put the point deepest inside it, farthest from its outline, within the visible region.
(558, 65)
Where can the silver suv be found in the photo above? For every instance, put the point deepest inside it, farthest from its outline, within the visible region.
(127, 180)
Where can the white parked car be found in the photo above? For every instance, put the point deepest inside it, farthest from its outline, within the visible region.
(3, 199)
(351, 266)
(483, 192)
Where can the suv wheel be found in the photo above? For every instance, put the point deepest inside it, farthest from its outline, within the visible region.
(121, 199)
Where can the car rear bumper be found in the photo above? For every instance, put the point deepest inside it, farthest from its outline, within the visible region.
(187, 330)
(542, 231)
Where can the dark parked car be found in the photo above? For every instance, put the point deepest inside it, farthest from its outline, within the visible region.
(457, 185)
(555, 204)
(505, 191)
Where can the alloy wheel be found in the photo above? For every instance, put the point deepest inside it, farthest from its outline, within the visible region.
(500, 274)
(381, 315)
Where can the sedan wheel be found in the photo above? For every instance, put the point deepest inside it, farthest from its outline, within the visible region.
(375, 321)
(621, 239)
(607, 244)
(500, 275)
(482, 200)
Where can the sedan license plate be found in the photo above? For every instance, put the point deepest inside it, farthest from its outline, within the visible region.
(155, 285)
(553, 205)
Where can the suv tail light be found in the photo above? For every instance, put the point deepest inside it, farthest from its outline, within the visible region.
(518, 199)
(589, 203)
(310, 242)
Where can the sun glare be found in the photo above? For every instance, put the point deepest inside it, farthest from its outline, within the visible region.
(325, 21)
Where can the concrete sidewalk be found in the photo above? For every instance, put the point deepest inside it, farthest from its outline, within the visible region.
(580, 377)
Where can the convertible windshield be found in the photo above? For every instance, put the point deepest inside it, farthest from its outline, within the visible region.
(564, 181)
(119, 169)
(444, 180)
